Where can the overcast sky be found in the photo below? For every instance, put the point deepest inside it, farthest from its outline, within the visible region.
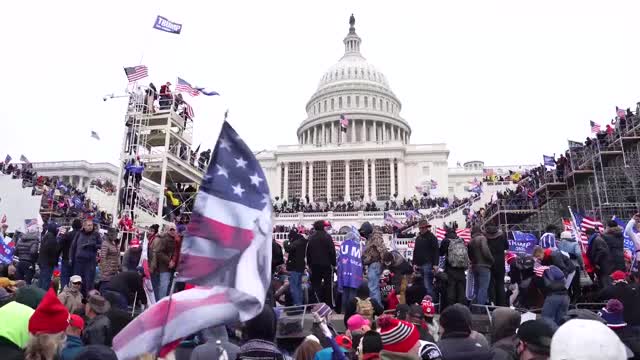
(499, 81)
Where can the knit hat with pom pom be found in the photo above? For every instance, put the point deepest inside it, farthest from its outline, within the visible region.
(397, 335)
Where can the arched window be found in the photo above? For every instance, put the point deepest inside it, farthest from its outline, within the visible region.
(340, 102)
(373, 102)
(380, 104)
(349, 101)
(332, 104)
(325, 106)
(357, 100)
(343, 73)
(366, 102)
(387, 105)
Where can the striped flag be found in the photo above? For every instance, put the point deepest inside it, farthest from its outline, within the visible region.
(539, 269)
(464, 234)
(188, 110)
(136, 73)
(183, 86)
(144, 263)
(595, 128)
(389, 219)
(344, 122)
(226, 251)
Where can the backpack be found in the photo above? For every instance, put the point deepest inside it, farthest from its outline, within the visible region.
(364, 308)
(458, 256)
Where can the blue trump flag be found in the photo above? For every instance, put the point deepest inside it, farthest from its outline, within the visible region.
(207, 93)
(548, 160)
(522, 242)
(628, 243)
(6, 252)
(163, 24)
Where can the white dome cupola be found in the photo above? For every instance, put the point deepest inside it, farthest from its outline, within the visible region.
(354, 89)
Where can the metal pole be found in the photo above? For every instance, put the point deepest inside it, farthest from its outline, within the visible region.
(606, 195)
(163, 176)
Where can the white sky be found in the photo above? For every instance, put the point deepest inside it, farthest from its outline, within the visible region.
(499, 81)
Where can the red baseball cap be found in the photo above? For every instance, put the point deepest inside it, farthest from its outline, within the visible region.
(618, 275)
(76, 321)
(344, 341)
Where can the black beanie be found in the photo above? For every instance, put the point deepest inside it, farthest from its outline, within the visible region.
(371, 342)
(456, 318)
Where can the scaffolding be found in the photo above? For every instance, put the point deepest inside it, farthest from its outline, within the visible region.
(601, 180)
(156, 146)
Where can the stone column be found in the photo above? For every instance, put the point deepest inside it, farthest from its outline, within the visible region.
(310, 181)
(324, 136)
(374, 196)
(333, 133)
(304, 179)
(328, 180)
(392, 173)
(352, 123)
(402, 179)
(286, 181)
(279, 180)
(366, 180)
(347, 182)
(364, 130)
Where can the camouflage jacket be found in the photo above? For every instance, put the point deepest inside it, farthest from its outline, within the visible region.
(374, 248)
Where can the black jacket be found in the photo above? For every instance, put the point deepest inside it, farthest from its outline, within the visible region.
(321, 251)
(563, 262)
(131, 258)
(426, 250)
(128, 283)
(98, 331)
(65, 244)
(48, 250)
(277, 258)
(498, 244)
(27, 248)
(415, 293)
(628, 296)
(10, 351)
(598, 254)
(297, 249)
(615, 240)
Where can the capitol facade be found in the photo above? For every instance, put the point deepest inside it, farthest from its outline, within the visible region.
(367, 157)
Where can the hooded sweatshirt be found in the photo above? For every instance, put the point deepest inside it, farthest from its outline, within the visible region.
(615, 240)
(504, 325)
(209, 350)
(14, 324)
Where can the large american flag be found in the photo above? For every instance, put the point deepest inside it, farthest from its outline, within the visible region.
(464, 234)
(184, 86)
(226, 253)
(135, 73)
(595, 128)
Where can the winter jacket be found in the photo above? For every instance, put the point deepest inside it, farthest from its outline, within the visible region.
(426, 250)
(628, 296)
(320, 250)
(66, 241)
(615, 240)
(498, 244)
(27, 248)
(131, 258)
(505, 349)
(176, 251)
(10, 351)
(72, 348)
(560, 260)
(630, 337)
(598, 254)
(374, 248)
(571, 247)
(98, 331)
(162, 249)
(399, 265)
(109, 260)
(71, 299)
(297, 250)
(14, 324)
(127, 283)
(479, 252)
(85, 246)
(460, 346)
(277, 257)
(48, 256)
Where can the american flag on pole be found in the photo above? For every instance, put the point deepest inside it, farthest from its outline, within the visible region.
(135, 73)
(144, 263)
(344, 122)
(389, 219)
(226, 252)
(595, 128)
(184, 86)
(464, 234)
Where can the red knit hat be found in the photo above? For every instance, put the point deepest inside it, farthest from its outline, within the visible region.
(618, 275)
(397, 335)
(50, 317)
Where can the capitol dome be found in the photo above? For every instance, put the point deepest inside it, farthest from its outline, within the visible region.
(353, 95)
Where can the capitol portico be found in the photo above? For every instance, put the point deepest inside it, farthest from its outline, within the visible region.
(371, 158)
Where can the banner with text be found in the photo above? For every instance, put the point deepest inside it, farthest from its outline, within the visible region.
(522, 242)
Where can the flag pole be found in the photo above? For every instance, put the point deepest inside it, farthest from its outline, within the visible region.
(166, 320)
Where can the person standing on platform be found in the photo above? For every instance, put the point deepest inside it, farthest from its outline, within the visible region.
(162, 251)
(83, 253)
(27, 253)
(425, 254)
(296, 263)
(498, 244)
(65, 266)
(321, 258)
(48, 257)
(109, 257)
(165, 96)
(372, 254)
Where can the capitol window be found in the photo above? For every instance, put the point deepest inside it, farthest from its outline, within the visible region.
(357, 101)
(337, 180)
(295, 181)
(325, 106)
(383, 179)
(340, 102)
(332, 104)
(366, 102)
(426, 171)
(380, 104)
(349, 101)
(373, 102)
(387, 105)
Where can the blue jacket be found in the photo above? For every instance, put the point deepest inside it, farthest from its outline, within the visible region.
(350, 263)
(72, 348)
(85, 246)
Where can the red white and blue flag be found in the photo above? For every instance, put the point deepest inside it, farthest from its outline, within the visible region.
(226, 252)
(595, 128)
(464, 234)
(146, 281)
(184, 86)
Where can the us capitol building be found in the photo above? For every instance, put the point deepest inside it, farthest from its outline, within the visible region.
(374, 159)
